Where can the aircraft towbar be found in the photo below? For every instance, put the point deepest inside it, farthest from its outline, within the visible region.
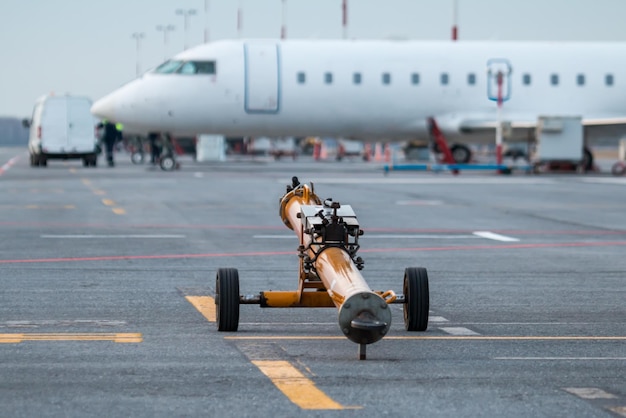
(330, 274)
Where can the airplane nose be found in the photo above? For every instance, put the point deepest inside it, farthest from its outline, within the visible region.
(104, 108)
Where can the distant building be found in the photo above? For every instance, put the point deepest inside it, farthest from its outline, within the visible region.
(12, 132)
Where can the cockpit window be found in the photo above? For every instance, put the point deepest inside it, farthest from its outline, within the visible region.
(197, 67)
(186, 67)
(168, 67)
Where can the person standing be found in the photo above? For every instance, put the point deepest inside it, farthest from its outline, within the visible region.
(109, 137)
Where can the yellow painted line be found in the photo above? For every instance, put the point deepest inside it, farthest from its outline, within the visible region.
(118, 211)
(295, 386)
(451, 337)
(86, 182)
(205, 305)
(72, 170)
(108, 202)
(99, 192)
(117, 338)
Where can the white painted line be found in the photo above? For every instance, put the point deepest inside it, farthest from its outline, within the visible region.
(458, 331)
(437, 319)
(416, 180)
(562, 358)
(378, 236)
(494, 236)
(163, 236)
(419, 202)
(198, 175)
(525, 323)
(415, 236)
(607, 180)
(619, 410)
(590, 393)
(287, 324)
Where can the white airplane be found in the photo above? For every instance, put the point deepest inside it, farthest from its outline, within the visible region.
(379, 90)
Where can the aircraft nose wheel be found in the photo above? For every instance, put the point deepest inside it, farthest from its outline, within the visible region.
(417, 303)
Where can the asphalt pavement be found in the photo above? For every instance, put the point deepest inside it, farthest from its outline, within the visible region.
(108, 278)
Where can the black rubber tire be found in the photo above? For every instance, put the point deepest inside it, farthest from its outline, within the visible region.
(86, 162)
(227, 299)
(461, 154)
(43, 162)
(619, 168)
(417, 299)
(167, 163)
(137, 157)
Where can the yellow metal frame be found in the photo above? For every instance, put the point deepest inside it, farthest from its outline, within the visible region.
(296, 299)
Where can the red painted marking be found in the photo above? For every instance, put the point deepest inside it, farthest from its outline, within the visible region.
(277, 253)
(8, 165)
(544, 232)
(500, 247)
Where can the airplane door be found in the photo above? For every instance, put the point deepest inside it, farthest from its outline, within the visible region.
(262, 93)
(499, 79)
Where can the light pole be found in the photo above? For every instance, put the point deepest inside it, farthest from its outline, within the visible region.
(283, 28)
(206, 26)
(138, 36)
(240, 19)
(186, 13)
(165, 29)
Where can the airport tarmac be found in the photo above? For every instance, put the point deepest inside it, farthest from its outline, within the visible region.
(108, 274)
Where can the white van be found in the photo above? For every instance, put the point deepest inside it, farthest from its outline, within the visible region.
(62, 127)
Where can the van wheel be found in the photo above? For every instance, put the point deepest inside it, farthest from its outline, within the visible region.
(86, 162)
(43, 162)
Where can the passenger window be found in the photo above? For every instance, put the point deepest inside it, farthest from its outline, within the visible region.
(580, 79)
(526, 80)
(356, 78)
(386, 78)
(301, 78)
(328, 78)
(554, 79)
(471, 79)
(608, 80)
(445, 79)
(415, 78)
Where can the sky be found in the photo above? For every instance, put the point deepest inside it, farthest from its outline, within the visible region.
(86, 47)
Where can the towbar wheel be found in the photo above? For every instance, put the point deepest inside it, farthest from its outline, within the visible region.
(417, 299)
(227, 299)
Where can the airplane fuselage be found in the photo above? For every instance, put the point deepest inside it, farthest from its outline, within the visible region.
(372, 89)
